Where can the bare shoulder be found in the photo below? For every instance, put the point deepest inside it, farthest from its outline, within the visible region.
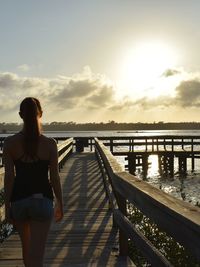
(50, 141)
(8, 140)
(7, 143)
(51, 147)
(11, 140)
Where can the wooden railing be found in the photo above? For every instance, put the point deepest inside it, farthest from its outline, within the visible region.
(64, 150)
(177, 218)
(152, 143)
(2, 213)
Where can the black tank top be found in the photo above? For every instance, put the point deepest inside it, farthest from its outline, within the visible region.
(31, 178)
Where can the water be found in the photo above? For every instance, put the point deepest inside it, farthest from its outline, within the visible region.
(182, 186)
(185, 187)
(116, 133)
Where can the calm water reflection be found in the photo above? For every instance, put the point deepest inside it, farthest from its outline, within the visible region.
(183, 186)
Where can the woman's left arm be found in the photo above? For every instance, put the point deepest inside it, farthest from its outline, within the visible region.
(8, 178)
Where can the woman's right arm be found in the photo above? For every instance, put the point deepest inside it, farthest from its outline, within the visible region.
(55, 180)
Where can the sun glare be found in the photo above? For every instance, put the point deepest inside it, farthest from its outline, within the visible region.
(144, 64)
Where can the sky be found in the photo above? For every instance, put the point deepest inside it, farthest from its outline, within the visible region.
(101, 60)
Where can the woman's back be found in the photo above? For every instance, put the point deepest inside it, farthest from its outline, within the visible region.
(31, 174)
(16, 147)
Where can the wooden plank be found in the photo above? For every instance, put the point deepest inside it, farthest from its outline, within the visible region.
(64, 154)
(114, 261)
(1, 178)
(150, 142)
(86, 236)
(65, 143)
(176, 153)
(2, 213)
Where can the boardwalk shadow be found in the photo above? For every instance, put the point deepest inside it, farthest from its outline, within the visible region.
(85, 236)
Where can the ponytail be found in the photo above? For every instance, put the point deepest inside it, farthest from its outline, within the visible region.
(30, 112)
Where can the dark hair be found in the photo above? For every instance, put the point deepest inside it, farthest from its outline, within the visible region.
(30, 112)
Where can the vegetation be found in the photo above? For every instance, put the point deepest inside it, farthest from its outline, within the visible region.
(5, 228)
(103, 126)
(176, 254)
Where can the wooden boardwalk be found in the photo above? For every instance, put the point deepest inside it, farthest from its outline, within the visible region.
(85, 237)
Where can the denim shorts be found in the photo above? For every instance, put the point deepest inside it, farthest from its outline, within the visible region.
(32, 208)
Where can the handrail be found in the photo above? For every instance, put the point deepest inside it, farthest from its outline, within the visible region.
(64, 149)
(166, 136)
(152, 144)
(1, 177)
(64, 143)
(178, 218)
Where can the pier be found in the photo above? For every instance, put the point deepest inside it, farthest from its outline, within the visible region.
(96, 229)
(137, 150)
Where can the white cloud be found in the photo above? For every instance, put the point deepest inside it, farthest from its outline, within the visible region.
(171, 72)
(93, 94)
(84, 90)
(23, 67)
(186, 94)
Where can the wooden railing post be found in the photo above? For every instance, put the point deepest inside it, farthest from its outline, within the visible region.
(192, 150)
(123, 240)
(111, 145)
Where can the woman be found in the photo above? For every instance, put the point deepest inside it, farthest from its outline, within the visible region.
(28, 156)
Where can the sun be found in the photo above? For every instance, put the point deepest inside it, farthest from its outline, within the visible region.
(144, 64)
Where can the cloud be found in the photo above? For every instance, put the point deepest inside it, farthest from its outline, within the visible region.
(101, 97)
(83, 90)
(188, 93)
(23, 67)
(14, 88)
(8, 80)
(160, 101)
(88, 94)
(71, 93)
(124, 104)
(171, 72)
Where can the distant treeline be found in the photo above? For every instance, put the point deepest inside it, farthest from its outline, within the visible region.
(103, 126)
